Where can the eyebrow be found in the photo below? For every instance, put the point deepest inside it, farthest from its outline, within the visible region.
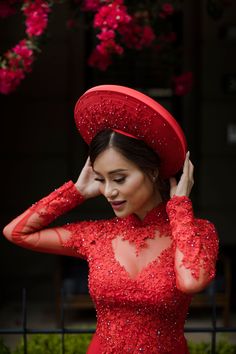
(113, 171)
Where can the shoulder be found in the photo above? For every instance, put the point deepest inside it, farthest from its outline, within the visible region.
(85, 234)
(91, 228)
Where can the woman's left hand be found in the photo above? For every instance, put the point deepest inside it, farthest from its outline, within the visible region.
(185, 184)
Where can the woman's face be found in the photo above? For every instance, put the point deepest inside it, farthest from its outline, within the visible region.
(128, 189)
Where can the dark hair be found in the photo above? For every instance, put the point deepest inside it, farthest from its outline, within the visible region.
(132, 149)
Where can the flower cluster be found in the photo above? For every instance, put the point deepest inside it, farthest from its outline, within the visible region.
(117, 29)
(16, 62)
(118, 25)
(19, 61)
(121, 26)
(109, 19)
(36, 13)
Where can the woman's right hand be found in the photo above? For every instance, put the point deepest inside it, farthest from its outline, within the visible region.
(86, 183)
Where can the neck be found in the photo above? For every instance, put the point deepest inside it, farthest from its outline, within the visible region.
(154, 202)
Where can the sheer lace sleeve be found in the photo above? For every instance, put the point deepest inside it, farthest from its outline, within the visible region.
(196, 239)
(29, 229)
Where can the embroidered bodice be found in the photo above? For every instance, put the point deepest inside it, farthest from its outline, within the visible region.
(140, 307)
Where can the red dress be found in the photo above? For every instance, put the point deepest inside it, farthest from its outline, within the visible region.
(136, 313)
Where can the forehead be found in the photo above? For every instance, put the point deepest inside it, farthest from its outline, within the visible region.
(111, 159)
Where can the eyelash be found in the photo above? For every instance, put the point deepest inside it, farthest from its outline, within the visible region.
(98, 179)
(118, 180)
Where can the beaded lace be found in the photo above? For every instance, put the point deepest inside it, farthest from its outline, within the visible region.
(140, 308)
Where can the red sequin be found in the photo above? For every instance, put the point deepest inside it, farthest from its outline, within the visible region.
(140, 308)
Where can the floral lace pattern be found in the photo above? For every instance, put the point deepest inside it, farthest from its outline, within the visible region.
(137, 312)
(26, 229)
(196, 238)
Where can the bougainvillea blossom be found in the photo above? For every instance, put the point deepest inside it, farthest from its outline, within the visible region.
(99, 59)
(36, 13)
(111, 16)
(91, 5)
(10, 79)
(136, 36)
(117, 25)
(18, 60)
(25, 54)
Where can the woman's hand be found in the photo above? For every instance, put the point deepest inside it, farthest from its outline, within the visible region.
(185, 184)
(86, 183)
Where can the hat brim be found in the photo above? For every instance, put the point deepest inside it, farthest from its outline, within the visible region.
(119, 107)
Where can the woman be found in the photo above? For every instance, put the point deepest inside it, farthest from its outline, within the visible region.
(144, 264)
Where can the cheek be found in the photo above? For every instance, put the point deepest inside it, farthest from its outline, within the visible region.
(135, 185)
(101, 189)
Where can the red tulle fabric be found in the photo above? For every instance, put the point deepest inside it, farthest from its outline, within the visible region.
(139, 309)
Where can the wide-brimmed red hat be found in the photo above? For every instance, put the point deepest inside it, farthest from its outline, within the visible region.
(129, 111)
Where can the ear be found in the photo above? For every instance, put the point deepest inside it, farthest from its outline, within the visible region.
(155, 174)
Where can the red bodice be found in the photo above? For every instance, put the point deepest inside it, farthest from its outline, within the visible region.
(141, 311)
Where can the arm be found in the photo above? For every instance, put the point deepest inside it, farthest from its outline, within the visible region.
(196, 244)
(196, 240)
(28, 229)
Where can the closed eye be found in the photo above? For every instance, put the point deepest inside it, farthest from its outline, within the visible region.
(119, 180)
(99, 179)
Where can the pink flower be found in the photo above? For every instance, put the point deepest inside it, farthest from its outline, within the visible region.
(136, 36)
(36, 16)
(106, 35)
(112, 16)
(101, 55)
(10, 79)
(167, 8)
(99, 60)
(183, 83)
(109, 46)
(91, 5)
(19, 61)
(24, 54)
(147, 37)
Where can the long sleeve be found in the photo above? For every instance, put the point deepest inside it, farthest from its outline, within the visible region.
(196, 241)
(29, 229)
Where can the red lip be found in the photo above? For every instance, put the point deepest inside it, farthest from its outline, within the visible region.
(117, 205)
(117, 202)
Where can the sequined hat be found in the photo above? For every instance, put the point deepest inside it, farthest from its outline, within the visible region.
(129, 111)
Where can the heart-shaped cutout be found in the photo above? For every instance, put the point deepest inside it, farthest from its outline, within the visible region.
(125, 253)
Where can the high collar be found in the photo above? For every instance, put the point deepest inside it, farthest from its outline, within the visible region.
(156, 215)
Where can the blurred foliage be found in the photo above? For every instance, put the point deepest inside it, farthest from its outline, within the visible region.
(78, 344)
(3, 348)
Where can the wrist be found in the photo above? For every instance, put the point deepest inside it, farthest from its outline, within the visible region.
(81, 191)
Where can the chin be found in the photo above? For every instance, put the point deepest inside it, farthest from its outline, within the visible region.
(121, 214)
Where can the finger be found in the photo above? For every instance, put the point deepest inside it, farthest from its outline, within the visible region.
(186, 164)
(191, 169)
(173, 182)
(88, 161)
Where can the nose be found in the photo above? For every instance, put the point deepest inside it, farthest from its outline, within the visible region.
(110, 192)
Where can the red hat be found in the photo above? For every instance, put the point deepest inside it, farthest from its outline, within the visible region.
(126, 110)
